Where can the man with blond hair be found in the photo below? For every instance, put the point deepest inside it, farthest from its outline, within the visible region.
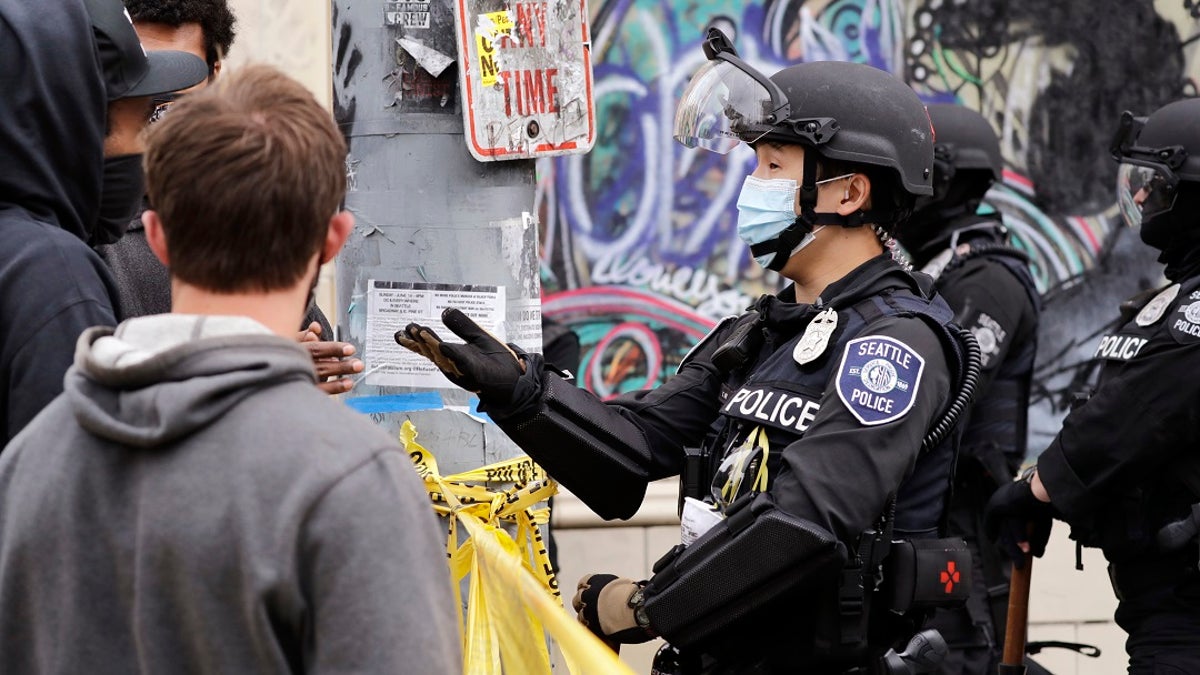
(192, 503)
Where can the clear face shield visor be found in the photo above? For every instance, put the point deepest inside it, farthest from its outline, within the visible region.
(727, 101)
(1144, 191)
(1147, 179)
(722, 106)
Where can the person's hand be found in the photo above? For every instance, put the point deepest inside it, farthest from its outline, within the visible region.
(332, 360)
(1018, 520)
(483, 365)
(606, 605)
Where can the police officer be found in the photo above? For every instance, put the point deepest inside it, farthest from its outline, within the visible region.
(823, 414)
(1124, 471)
(988, 285)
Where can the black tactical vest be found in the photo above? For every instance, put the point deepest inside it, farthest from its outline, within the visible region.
(782, 396)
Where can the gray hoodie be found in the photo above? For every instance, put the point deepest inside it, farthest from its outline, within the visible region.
(193, 504)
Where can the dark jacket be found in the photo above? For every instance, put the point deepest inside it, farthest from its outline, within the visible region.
(1119, 468)
(988, 285)
(52, 285)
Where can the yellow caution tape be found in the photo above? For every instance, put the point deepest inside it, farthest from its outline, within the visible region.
(513, 597)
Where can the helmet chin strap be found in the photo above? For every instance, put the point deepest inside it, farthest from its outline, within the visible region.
(787, 241)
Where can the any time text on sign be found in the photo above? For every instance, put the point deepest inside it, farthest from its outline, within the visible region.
(526, 78)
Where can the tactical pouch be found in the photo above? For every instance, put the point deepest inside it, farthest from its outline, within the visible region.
(746, 567)
(741, 347)
(923, 574)
(693, 479)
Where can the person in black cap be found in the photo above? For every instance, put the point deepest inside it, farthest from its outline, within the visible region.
(143, 282)
(204, 28)
(65, 62)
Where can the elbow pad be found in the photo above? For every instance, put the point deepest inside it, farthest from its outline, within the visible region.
(599, 455)
(757, 555)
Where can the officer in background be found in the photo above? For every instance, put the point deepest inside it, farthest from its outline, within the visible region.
(988, 285)
(824, 415)
(1124, 470)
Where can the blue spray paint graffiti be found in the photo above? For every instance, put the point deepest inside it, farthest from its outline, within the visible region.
(643, 222)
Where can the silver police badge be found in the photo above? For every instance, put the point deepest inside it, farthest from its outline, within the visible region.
(816, 337)
(1153, 311)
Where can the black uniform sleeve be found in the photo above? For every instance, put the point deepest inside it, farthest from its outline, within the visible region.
(991, 302)
(605, 452)
(840, 473)
(1141, 415)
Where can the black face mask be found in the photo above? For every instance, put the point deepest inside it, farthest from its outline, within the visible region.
(1176, 234)
(120, 198)
(1157, 231)
(1177, 227)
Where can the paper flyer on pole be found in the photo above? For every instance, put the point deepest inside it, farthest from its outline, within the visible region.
(392, 305)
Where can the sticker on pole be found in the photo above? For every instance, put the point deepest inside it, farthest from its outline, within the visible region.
(526, 76)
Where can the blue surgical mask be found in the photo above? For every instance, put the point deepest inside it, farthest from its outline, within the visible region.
(765, 209)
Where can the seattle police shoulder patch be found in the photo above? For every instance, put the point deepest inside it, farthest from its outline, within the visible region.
(878, 378)
(1185, 323)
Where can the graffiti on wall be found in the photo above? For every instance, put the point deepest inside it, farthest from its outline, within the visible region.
(639, 248)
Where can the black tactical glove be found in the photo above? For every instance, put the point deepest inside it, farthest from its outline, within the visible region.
(1013, 515)
(483, 365)
(612, 608)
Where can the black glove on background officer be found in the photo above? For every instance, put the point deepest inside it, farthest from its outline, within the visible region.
(1014, 516)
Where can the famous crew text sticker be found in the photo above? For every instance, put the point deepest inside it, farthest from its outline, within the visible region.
(878, 378)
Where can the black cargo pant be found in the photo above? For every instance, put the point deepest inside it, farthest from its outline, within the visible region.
(1160, 610)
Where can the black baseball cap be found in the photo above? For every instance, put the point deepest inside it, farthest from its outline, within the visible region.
(131, 71)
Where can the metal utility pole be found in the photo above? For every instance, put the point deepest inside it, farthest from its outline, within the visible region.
(445, 105)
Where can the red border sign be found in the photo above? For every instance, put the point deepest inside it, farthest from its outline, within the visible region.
(527, 80)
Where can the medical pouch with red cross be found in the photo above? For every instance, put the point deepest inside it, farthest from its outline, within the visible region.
(927, 573)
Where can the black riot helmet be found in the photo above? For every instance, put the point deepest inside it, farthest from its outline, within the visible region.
(850, 114)
(1160, 166)
(966, 162)
(963, 142)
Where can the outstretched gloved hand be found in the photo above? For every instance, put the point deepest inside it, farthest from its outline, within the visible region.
(483, 365)
(608, 605)
(1014, 516)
